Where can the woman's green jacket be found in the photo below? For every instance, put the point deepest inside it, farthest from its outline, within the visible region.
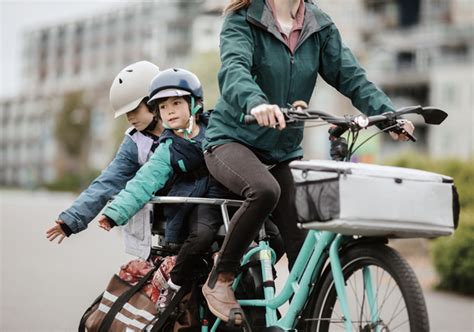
(258, 67)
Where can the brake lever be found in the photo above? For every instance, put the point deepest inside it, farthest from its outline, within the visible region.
(401, 131)
(411, 137)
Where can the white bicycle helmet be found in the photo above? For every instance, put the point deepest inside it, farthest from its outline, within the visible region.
(131, 85)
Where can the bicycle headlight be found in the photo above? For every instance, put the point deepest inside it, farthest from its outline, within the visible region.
(362, 121)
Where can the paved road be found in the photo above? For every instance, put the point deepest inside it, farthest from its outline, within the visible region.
(46, 287)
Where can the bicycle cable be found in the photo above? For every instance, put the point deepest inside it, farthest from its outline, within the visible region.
(370, 137)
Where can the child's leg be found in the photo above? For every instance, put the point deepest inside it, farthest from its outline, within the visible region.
(204, 222)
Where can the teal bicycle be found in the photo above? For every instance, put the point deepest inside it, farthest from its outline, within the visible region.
(346, 277)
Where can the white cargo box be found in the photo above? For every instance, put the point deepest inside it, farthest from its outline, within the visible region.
(374, 200)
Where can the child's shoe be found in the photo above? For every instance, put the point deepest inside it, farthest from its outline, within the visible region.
(166, 295)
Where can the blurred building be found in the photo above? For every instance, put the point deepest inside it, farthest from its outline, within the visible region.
(420, 52)
(207, 26)
(27, 146)
(426, 57)
(92, 49)
(84, 55)
(417, 51)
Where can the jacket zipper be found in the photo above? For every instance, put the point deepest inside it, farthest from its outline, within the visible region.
(290, 79)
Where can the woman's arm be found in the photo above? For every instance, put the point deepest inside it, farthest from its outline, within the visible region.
(340, 68)
(236, 83)
(138, 191)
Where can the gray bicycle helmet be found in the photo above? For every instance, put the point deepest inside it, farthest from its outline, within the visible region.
(176, 82)
(130, 86)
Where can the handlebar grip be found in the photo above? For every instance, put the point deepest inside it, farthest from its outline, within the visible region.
(249, 119)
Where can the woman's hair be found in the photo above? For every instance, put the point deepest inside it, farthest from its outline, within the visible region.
(235, 5)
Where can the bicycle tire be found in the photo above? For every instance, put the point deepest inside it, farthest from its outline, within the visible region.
(387, 265)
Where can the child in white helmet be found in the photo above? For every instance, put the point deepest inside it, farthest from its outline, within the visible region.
(176, 94)
(129, 96)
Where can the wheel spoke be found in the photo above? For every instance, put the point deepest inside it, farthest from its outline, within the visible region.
(385, 299)
(381, 306)
(395, 315)
(379, 284)
(399, 325)
(363, 297)
(354, 290)
(364, 316)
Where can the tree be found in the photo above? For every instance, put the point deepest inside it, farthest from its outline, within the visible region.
(72, 130)
(206, 66)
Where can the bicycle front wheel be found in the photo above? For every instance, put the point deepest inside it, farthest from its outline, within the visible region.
(383, 294)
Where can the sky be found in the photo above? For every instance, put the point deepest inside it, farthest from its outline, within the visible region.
(17, 16)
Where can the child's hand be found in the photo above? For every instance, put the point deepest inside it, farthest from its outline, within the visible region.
(104, 223)
(56, 231)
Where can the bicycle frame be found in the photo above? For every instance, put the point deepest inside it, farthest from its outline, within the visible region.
(302, 277)
(319, 246)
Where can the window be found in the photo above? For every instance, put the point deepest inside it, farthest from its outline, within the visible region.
(406, 59)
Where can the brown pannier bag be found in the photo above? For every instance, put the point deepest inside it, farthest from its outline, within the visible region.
(121, 307)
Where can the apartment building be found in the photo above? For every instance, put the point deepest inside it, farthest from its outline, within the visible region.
(92, 49)
(423, 54)
(84, 55)
(420, 52)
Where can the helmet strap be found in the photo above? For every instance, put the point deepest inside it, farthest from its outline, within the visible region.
(165, 125)
(189, 130)
(151, 126)
(195, 107)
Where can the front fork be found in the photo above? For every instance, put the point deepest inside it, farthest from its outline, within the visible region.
(340, 283)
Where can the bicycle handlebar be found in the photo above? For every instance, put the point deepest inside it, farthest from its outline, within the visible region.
(249, 119)
(431, 115)
(343, 150)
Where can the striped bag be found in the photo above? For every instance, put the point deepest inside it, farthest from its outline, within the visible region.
(122, 307)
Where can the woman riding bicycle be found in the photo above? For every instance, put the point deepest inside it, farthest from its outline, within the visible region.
(271, 54)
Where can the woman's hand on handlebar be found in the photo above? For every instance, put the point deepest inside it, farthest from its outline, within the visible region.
(269, 116)
(406, 126)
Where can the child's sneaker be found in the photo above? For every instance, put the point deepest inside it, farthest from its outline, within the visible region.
(166, 295)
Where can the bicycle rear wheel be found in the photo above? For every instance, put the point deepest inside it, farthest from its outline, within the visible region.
(396, 301)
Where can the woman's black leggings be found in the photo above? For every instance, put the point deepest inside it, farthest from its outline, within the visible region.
(265, 191)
